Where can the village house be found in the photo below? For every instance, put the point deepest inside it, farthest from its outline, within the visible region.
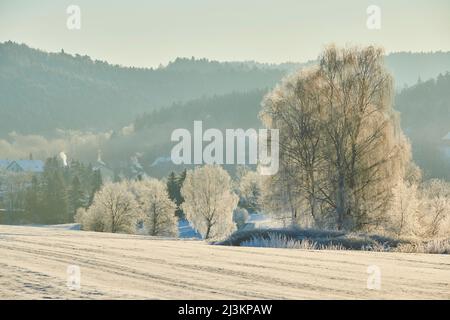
(17, 166)
(33, 166)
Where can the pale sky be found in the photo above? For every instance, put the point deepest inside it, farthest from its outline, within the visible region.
(147, 33)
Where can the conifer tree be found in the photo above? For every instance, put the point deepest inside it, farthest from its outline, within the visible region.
(96, 184)
(76, 196)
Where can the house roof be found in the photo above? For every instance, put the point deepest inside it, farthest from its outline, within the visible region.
(31, 165)
(24, 165)
(4, 163)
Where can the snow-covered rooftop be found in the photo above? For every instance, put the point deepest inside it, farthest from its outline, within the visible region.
(4, 163)
(24, 165)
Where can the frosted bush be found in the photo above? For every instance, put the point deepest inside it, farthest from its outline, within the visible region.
(437, 246)
(274, 240)
(240, 216)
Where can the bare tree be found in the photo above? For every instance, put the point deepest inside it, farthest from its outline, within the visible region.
(158, 210)
(250, 189)
(281, 198)
(435, 208)
(340, 139)
(404, 211)
(114, 209)
(294, 108)
(209, 201)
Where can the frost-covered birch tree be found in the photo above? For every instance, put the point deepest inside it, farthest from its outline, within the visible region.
(114, 209)
(158, 211)
(209, 201)
(435, 208)
(404, 211)
(250, 191)
(341, 146)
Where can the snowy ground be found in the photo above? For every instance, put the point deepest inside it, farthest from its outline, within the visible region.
(34, 261)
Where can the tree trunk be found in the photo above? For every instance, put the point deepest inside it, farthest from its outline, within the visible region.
(340, 207)
(208, 231)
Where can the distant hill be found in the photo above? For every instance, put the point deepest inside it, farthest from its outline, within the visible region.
(425, 117)
(42, 91)
(150, 138)
(407, 67)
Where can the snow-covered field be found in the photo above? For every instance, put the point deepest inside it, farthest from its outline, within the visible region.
(34, 261)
